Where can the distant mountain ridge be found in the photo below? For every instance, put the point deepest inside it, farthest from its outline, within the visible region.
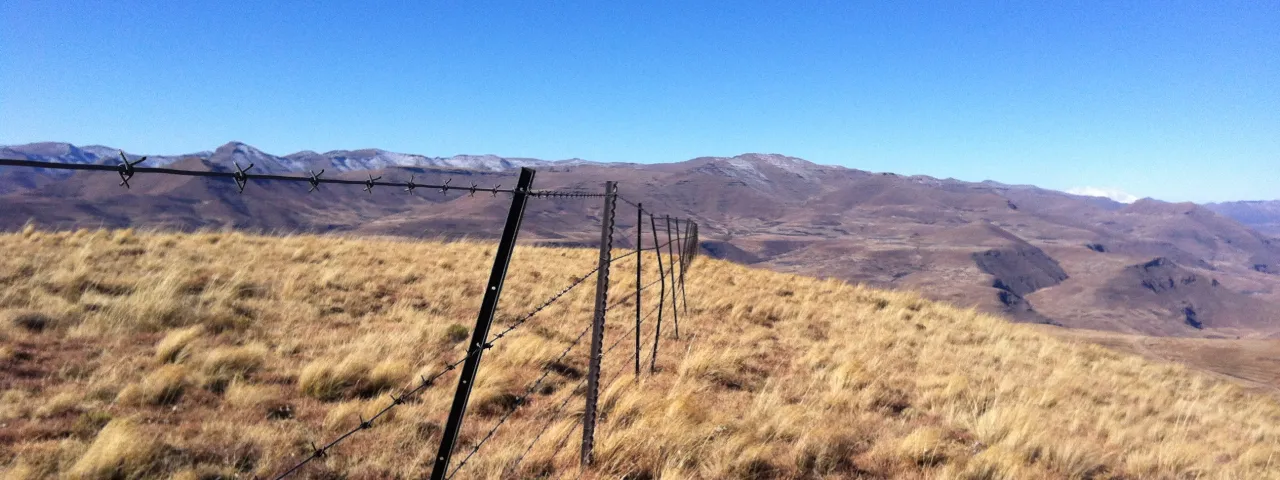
(742, 166)
(1263, 215)
(1033, 254)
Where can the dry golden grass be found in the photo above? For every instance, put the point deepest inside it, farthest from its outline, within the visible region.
(221, 354)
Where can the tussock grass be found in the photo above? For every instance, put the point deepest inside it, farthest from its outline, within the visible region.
(153, 355)
(121, 450)
(164, 386)
(174, 348)
(354, 376)
(233, 362)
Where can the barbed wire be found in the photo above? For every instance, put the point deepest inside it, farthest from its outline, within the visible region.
(633, 252)
(629, 332)
(546, 371)
(547, 425)
(637, 206)
(561, 194)
(320, 452)
(629, 202)
(620, 302)
(128, 168)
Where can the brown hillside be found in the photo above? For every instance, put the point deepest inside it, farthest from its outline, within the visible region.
(197, 356)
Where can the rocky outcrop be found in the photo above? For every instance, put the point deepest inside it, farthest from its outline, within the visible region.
(1020, 269)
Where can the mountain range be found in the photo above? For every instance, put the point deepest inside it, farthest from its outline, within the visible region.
(1033, 254)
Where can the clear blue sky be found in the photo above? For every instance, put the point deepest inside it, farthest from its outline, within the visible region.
(1176, 100)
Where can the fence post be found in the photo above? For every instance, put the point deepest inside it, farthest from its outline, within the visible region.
(639, 255)
(662, 293)
(479, 337)
(697, 243)
(684, 261)
(693, 243)
(675, 301)
(597, 323)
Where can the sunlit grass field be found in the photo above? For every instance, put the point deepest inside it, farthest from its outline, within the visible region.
(225, 355)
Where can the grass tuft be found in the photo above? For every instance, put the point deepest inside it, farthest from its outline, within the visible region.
(164, 386)
(120, 450)
(352, 377)
(175, 347)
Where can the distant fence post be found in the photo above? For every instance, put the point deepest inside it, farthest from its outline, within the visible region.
(675, 301)
(662, 293)
(639, 263)
(684, 261)
(597, 323)
(480, 336)
(697, 241)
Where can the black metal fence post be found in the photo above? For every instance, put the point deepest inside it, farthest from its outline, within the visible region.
(479, 337)
(662, 293)
(639, 264)
(675, 301)
(597, 323)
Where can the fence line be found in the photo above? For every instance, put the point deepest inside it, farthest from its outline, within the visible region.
(680, 249)
(127, 169)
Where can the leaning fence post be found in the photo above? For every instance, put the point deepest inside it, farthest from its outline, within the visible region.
(639, 255)
(675, 301)
(662, 293)
(597, 323)
(479, 337)
(684, 262)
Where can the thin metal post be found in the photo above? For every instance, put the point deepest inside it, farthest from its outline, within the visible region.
(639, 255)
(675, 301)
(597, 323)
(479, 337)
(684, 261)
(662, 293)
(697, 240)
(697, 243)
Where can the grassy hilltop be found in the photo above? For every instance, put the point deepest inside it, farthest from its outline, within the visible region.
(126, 355)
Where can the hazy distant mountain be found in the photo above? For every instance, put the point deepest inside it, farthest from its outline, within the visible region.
(1034, 254)
(1261, 215)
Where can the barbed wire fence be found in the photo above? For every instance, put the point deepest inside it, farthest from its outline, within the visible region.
(681, 249)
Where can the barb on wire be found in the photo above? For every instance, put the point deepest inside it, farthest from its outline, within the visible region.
(409, 186)
(368, 185)
(546, 371)
(428, 381)
(126, 168)
(241, 176)
(315, 180)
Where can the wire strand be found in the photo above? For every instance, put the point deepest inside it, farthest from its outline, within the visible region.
(546, 371)
(428, 381)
